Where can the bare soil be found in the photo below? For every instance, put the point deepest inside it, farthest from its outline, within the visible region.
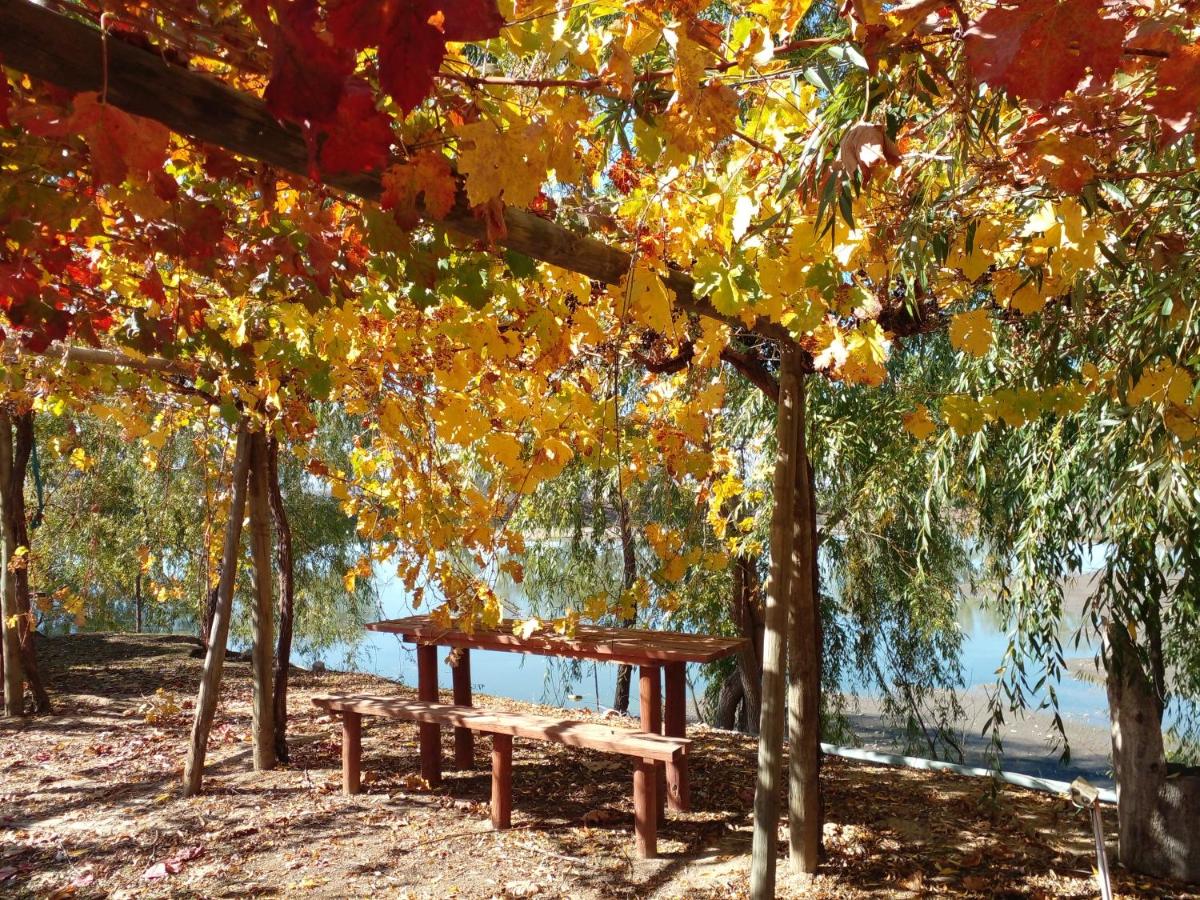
(90, 806)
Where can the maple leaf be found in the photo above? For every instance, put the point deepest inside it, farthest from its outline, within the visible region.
(971, 332)
(411, 36)
(865, 146)
(424, 184)
(308, 74)
(1041, 49)
(360, 138)
(918, 423)
(1176, 102)
(119, 143)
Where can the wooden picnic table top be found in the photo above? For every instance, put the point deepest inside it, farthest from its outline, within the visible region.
(634, 646)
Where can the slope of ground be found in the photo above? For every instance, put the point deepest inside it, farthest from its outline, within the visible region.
(90, 806)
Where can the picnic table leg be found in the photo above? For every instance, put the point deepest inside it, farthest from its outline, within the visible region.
(645, 815)
(675, 725)
(501, 781)
(650, 701)
(351, 751)
(429, 734)
(464, 738)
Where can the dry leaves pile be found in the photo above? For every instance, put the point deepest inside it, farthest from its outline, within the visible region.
(89, 807)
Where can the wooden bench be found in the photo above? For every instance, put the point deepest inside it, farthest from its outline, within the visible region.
(647, 749)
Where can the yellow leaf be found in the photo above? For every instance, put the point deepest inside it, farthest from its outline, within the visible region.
(971, 332)
(919, 423)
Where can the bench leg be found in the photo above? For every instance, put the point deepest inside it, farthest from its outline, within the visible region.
(464, 738)
(351, 752)
(675, 725)
(645, 808)
(429, 735)
(501, 781)
(650, 701)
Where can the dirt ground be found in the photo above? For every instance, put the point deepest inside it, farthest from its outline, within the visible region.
(90, 806)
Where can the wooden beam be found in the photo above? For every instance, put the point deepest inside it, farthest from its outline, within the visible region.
(94, 356)
(72, 54)
(569, 732)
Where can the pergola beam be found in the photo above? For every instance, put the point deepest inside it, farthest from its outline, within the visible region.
(74, 55)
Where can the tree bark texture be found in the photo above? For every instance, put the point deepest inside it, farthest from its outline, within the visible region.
(628, 578)
(14, 679)
(214, 660)
(770, 742)
(262, 610)
(26, 632)
(1158, 806)
(804, 665)
(747, 615)
(287, 592)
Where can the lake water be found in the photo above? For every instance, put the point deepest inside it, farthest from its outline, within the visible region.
(587, 685)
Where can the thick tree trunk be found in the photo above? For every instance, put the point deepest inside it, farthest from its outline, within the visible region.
(1158, 809)
(729, 701)
(262, 611)
(22, 451)
(14, 679)
(770, 741)
(804, 667)
(214, 660)
(287, 587)
(628, 579)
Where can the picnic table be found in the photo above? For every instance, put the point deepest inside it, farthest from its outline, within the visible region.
(659, 656)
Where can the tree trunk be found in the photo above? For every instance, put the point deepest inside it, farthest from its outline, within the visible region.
(22, 451)
(1158, 809)
(286, 573)
(729, 700)
(137, 602)
(804, 666)
(628, 579)
(214, 660)
(14, 680)
(262, 611)
(770, 741)
(744, 611)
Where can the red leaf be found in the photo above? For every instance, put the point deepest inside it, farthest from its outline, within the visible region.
(308, 74)
(468, 20)
(1176, 103)
(361, 136)
(357, 23)
(5, 95)
(119, 143)
(1041, 49)
(411, 36)
(410, 57)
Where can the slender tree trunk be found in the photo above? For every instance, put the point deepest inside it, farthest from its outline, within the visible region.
(286, 573)
(262, 612)
(14, 679)
(1158, 809)
(22, 451)
(137, 603)
(210, 612)
(770, 741)
(628, 579)
(744, 612)
(214, 660)
(804, 667)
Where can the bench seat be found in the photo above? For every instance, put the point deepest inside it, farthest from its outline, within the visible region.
(647, 749)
